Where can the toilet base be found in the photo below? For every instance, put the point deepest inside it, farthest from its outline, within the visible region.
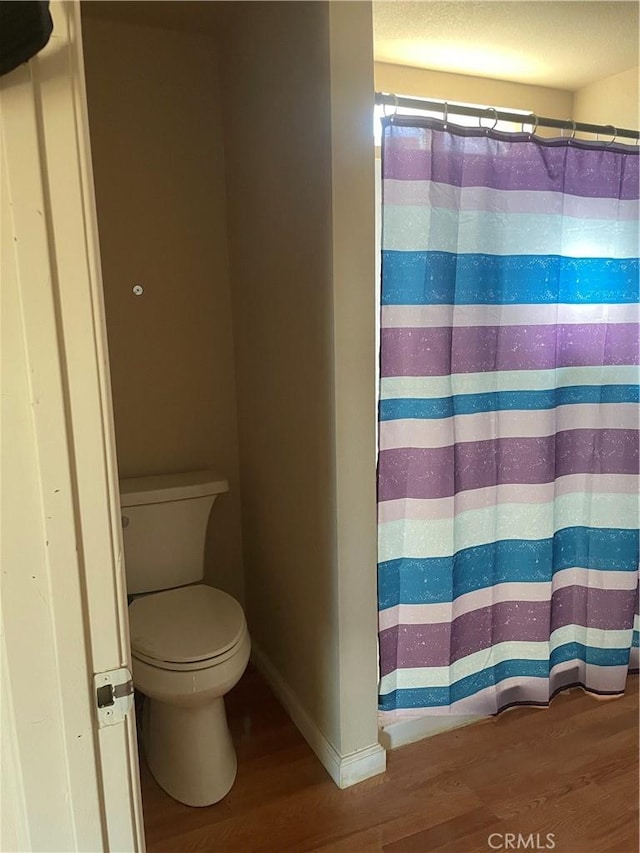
(189, 750)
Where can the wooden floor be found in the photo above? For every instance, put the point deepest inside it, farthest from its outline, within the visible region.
(570, 770)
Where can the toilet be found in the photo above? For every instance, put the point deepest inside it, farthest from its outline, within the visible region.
(189, 641)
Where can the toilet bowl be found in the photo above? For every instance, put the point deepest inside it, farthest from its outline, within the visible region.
(189, 647)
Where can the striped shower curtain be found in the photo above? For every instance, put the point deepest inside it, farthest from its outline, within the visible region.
(508, 419)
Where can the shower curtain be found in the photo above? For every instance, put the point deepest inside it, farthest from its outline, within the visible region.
(508, 419)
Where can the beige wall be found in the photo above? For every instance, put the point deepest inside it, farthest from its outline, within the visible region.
(421, 83)
(277, 143)
(355, 310)
(159, 174)
(614, 100)
(303, 303)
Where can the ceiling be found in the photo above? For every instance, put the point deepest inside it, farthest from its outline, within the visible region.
(564, 44)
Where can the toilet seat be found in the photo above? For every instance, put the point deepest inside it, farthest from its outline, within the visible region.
(192, 627)
(205, 663)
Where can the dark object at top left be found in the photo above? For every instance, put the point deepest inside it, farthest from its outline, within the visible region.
(25, 28)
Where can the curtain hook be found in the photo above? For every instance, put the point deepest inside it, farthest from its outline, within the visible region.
(395, 109)
(615, 135)
(445, 114)
(573, 130)
(534, 125)
(493, 126)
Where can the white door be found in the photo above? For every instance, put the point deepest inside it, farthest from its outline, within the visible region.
(68, 783)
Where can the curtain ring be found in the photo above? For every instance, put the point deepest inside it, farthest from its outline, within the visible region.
(615, 135)
(573, 130)
(493, 126)
(534, 125)
(445, 114)
(395, 109)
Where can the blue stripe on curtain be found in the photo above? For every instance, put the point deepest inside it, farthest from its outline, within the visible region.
(493, 401)
(443, 579)
(441, 278)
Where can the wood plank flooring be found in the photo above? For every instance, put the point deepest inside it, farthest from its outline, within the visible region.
(570, 770)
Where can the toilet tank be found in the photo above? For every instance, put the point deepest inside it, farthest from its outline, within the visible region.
(164, 524)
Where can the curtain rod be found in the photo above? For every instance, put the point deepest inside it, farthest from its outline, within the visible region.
(503, 115)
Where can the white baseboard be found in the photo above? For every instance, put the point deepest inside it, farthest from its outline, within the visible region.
(345, 770)
(360, 765)
(403, 732)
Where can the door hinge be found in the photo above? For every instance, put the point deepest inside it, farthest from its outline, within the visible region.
(114, 695)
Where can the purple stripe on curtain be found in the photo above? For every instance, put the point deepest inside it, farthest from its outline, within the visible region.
(418, 154)
(407, 646)
(443, 350)
(417, 472)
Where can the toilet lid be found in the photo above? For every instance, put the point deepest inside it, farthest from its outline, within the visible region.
(184, 625)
